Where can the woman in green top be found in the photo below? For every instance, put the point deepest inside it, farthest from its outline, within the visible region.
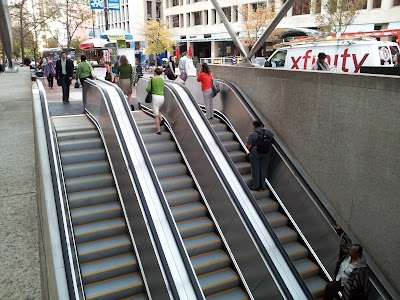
(157, 88)
(124, 72)
(84, 70)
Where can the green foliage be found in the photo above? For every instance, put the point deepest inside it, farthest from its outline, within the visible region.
(158, 37)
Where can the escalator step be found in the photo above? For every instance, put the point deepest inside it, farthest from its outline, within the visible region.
(108, 267)
(151, 128)
(316, 285)
(225, 135)
(218, 281)
(210, 261)
(165, 158)
(237, 156)
(176, 183)
(286, 234)
(137, 297)
(243, 167)
(99, 230)
(247, 179)
(86, 168)
(261, 194)
(92, 197)
(81, 134)
(202, 243)
(232, 294)
(79, 156)
(171, 170)
(164, 146)
(89, 182)
(195, 227)
(188, 211)
(103, 248)
(306, 268)
(153, 137)
(219, 127)
(231, 145)
(88, 214)
(89, 143)
(182, 196)
(276, 219)
(268, 205)
(74, 128)
(116, 288)
(296, 251)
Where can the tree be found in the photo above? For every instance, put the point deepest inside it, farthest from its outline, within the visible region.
(158, 37)
(254, 21)
(336, 15)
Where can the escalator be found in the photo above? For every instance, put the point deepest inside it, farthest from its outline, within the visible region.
(108, 263)
(213, 266)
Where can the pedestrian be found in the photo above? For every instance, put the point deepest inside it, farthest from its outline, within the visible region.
(138, 73)
(64, 71)
(396, 60)
(102, 63)
(184, 66)
(49, 70)
(321, 64)
(205, 78)
(156, 85)
(170, 69)
(84, 70)
(351, 278)
(259, 160)
(124, 73)
(114, 69)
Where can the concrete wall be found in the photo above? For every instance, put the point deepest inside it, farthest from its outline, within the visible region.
(344, 130)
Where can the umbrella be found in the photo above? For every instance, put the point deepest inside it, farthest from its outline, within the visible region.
(93, 43)
(177, 52)
(190, 53)
(116, 34)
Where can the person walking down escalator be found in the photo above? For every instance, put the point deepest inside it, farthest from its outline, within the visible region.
(156, 85)
(205, 78)
(351, 274)
(259, 144)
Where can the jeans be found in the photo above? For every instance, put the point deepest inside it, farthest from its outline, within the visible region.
(65, 83)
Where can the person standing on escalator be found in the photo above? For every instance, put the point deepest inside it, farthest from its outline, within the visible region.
(205, 78)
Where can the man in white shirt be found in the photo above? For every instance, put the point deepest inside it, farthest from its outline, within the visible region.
(184, 67)
(321, 64)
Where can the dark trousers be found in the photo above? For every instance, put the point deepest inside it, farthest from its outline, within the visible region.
(65, 83)
(50, 81)
(259, 168)
(331, 290)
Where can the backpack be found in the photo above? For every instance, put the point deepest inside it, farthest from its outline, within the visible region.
(263, 143)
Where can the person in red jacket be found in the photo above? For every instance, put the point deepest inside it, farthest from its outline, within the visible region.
(205, 77)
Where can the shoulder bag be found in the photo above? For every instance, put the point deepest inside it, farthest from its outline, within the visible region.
(149, 96)
(215, 87)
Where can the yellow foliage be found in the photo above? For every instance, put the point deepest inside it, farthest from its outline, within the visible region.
(158, 37)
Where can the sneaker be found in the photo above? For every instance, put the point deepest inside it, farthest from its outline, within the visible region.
(132, 107)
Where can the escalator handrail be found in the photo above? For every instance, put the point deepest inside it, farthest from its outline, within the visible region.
(74, 279)
(385, 288)
(268, 227)
(161, 196)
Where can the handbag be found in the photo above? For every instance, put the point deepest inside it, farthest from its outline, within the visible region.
(149, 96)
(215, 87)
(76, 85)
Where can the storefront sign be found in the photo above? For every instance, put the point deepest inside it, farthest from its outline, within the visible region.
(394, 25)
(118, 37)
(113, 4)
(200, 37)
(96, 4)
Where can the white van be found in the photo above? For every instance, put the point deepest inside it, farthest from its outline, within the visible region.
(341, 55)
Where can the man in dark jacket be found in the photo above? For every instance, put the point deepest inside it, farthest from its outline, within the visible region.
(64, 71)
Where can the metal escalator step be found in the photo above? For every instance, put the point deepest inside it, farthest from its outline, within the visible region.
(295, 250)
(89, 143)
(286, 234)
(103, 248)
(142, 296)
(215, 121)
(195, 227)
(268, 205)
(79, 134)
(225, 135)
(165, 158)
(88, 214)
(210, 262)
(83, 126)
(150, 128)
(262, 194)
(243, 167)
(218, 281)
(153, 137)
(99, 230)
(86, 168)
(232, 294)
(231, 145)
(115, 288)
(202, 243)
(237, 156)
(182, 196)
(164, 146)
(78, 156)
(170, 170)
(176, 183)
(316, 285)
(276, 219)
(92, 197)
(188, 211)
(109, 267)
(89, 182)
(219, 127)
(306, 268)
(247, 179)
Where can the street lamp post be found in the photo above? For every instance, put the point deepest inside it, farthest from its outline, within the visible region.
(106, 14)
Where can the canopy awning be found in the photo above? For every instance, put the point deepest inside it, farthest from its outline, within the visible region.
(93, 43)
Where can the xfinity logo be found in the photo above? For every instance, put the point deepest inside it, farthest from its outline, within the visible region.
(303, 61)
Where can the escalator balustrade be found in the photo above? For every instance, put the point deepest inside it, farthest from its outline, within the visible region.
(108, 263)
(211, 263)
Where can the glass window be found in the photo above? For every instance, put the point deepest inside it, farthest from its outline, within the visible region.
(175, 21)
(236, 13)
(301, 7)
(149, 11)
(278, 60)
(175, 2)
(205, 17)
(227, 11)
(197, 18)
(158, 10)
(396, 2)
(377, 4)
